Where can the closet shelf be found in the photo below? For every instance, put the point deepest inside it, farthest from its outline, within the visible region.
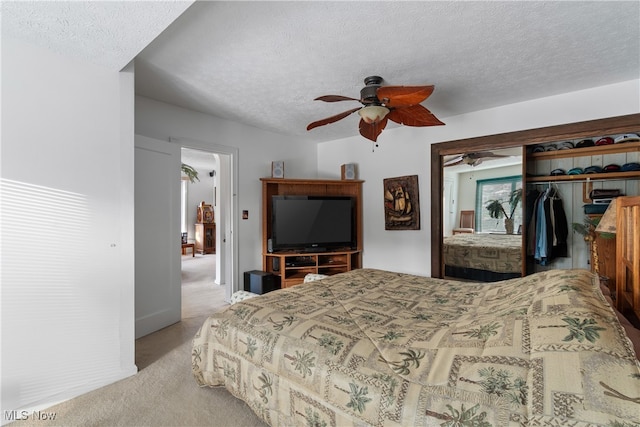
(598, 150)
(585, 177)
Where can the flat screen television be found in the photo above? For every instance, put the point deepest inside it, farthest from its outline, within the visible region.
(312, 223)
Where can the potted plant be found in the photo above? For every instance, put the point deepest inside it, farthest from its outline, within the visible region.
(497, 210)
(588, 231)
(190, 172)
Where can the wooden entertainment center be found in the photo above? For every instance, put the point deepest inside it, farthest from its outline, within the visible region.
(292, 267)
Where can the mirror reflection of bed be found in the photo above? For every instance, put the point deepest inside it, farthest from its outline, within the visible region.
(482, 250)
(482, 257)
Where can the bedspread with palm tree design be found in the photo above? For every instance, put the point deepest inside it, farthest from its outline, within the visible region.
(372, 347)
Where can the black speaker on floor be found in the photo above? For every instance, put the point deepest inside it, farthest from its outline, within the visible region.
(260, 282)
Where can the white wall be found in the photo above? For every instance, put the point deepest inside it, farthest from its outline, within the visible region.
(67, 226)
(256, 149)
(406, 151)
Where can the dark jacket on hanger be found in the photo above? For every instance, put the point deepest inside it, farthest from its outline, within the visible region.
(560, 229)
(530, 220)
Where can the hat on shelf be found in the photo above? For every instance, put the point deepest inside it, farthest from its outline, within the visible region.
(585, 143)
(611, 168)
(628, 167)
(627, 137)
(575, 171)
(550, 147)
(538, 149)
(566, 145)
(605, 141)
(558, 171)
(593, 169)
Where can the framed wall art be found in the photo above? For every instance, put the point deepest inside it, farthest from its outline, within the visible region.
(401, 203)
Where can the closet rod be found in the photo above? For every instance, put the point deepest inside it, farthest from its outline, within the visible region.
(587, 185)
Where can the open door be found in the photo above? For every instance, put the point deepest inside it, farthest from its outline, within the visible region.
(157, 235)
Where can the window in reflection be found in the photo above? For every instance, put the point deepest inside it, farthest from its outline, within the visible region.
(498, 192)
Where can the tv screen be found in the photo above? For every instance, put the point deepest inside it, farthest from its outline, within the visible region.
(312, 223)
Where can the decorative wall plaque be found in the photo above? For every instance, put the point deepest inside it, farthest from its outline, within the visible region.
(401, 203)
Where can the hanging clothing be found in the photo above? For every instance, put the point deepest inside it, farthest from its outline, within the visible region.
(529, 220)
(560, 229)
(548, 227)
(541, 230)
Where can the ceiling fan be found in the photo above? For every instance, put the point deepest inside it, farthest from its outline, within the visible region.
(400, 104)
(472, 159)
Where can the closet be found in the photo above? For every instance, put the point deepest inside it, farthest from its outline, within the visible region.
(574, 173)
(537, 168)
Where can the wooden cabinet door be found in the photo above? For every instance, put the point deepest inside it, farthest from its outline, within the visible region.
(206, 238)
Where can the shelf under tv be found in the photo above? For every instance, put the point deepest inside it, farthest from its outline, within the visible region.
(292, 267)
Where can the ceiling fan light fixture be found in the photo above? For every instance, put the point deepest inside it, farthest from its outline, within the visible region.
(400, 104)
(373, 113)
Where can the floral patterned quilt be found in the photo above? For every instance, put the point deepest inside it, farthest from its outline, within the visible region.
(372, 347)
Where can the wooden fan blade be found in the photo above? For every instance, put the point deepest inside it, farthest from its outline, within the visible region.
(403, 96)
(372, 130)
(484, 154)
(335, 98)
(455, 161)
(331, 119)
(416, 115)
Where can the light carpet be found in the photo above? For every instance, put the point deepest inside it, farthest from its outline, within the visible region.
(163, 392)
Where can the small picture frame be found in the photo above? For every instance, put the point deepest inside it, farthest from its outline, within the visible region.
(277, 169)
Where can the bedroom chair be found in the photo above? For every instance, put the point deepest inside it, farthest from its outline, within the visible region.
(467, 222)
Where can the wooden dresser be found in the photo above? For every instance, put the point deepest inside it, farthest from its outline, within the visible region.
(628, 255)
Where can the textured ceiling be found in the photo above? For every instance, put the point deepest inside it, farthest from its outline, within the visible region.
(107, 33)
(263, 63)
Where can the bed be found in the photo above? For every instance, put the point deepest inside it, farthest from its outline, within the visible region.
(483, 257)
(372, 347)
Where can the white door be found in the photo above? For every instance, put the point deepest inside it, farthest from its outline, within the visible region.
(157, 235)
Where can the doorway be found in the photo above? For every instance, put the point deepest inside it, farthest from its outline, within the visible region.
(217, 168)
(201, 284)
(157, 227)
